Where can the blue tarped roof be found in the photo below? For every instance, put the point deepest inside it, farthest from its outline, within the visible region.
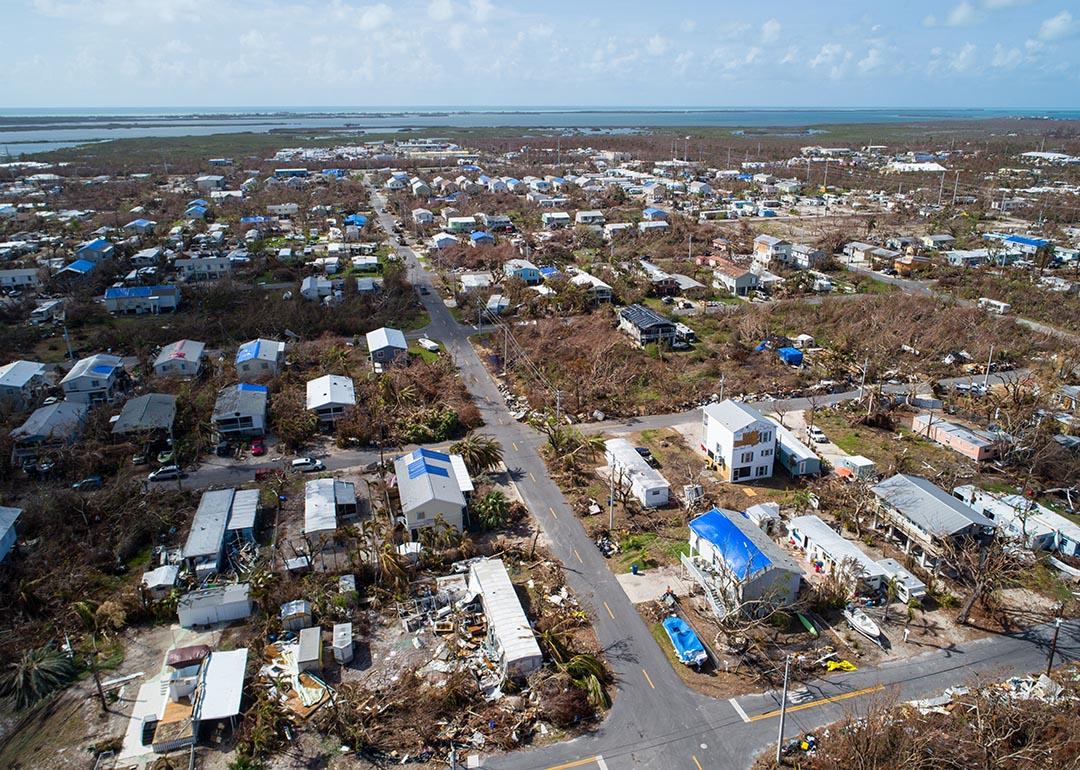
(114, 292)
(252, 220)
(1027, 241)
(81, 266)
(249, 388)
(480, 235)
(247, 351)
(98, 244)
(549, 271)
(356, 219)
(418, 468)
(741, 555)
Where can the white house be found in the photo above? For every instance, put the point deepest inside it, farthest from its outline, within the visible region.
(734, 279)
(386, 345)
(629, 469)
(432, 487)
(831, 552)
(95, 379)
(589, 217)
(203, 268)
(422, 217)
(324, 501)
(554, 220)
(182, 359)
(1038, 527)
(258, 359)
(21, 382)
(330, 397)
(739, 441)
(138, 300)
(20, 278)
(210, 606)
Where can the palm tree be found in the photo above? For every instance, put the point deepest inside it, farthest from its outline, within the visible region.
(481, 452)
(491, 510)
(36, 674)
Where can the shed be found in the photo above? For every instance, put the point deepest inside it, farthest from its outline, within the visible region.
(296, 615)
(510, 637)
(219, 604)
(860, 467)
(343, 642)
(160, 581)
(309, 653)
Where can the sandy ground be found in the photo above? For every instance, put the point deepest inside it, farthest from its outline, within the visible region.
(651, 584)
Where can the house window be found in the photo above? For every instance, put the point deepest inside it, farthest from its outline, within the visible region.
(766, 453)
(761, 470)
(741, 473)
(747, 457)
(766, 437)
(421, 515)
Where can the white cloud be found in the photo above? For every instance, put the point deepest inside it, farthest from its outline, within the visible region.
(657, 45)
(1006, 58)
(871, 61)
(770, 31)
(441, 10)
(374, 16)
(963, 15)
(752, 55)
(1058, 27)
(964, 59)
(482, 9)
(828, 54)
(998, 4)
(688, 25)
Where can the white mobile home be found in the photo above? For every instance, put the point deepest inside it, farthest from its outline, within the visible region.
(629, 469)
(510, 638)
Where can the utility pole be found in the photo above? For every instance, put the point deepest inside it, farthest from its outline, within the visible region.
(690, 248)
(783, 710)
(941, 189)
(558, 407)
(721, 387)
(611, 502)
(686, 150)
(956, 184)
(989, 363)
(1053, 645)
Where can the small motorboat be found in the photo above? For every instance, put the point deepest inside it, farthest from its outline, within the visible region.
(687, 646)
(862, 623)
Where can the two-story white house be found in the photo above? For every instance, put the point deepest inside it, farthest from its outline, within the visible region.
(739, 441)
(96, 379)
(330, 397)
(180, 359)
(20, 383)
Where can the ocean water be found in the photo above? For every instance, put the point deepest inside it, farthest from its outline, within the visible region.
(39, 129)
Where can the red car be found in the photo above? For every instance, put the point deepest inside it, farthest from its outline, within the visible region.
(258, 447)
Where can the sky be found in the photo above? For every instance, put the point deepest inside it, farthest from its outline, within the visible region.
(1006, 54)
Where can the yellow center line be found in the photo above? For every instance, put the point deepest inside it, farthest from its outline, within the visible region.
(578, 556)
(696, 763)
(553, 512)
(575, 763)
(821, 702)
(648, 679)
(609, 612)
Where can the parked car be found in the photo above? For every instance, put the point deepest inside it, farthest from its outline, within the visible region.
(90, 482)
(307, 465)
(222, 449)
(258, 447)
(140, 459)
(816, 435)
(165, 473)
(646, 454)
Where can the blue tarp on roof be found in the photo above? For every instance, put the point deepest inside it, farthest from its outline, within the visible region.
(116, 292)
(480, 235)
(470, 167)
(140, 222)
(420, 467)
(252, 220)
(247, 351)
(432, 454)
(199, 202)
(761, 346)
(247, 387)
(739, 552)
(196, 210)
(746, 177)
(1025, 240)
(81, 266)
(548, 271)
(102, 369)
(356, 219)
(652, 210)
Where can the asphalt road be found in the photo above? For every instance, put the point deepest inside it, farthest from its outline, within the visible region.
(656, 721)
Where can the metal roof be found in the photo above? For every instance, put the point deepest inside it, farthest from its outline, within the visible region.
(310, 647)
(424, 475)
(835, 545)
(745, 549)
(207, 535)
(153, 411)
(733, 415)
(623, 454)
(99, 363)
(139, 292)
(181, 350)
(386, 337)
(929, 507)
(60, 420)
(221, 685)
(240, 400)
(330, 390)
(644, 318)
(259, 349)
(245, 506)
(18, 373)
(321, 498)
(507, 621)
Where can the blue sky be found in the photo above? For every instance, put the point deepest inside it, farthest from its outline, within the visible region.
(838, 53)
